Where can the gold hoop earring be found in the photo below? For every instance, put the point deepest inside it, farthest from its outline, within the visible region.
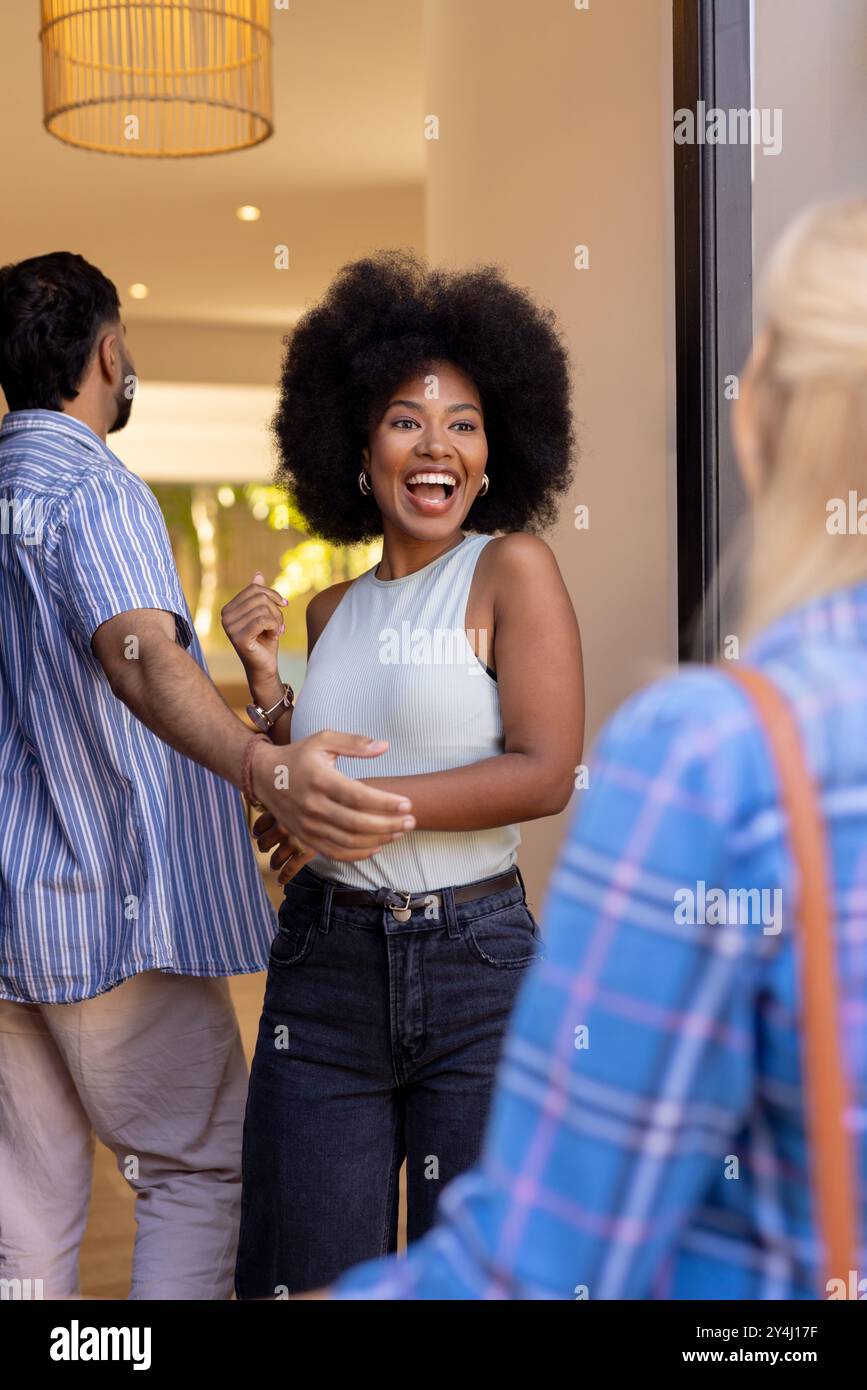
(364, 483)
(486, 483)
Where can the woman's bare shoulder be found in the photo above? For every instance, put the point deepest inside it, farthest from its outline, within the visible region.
(514, 562)
(519, 553)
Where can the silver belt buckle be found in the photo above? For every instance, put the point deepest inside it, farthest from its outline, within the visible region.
(402, 914)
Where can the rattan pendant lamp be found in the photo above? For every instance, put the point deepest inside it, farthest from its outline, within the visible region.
(157, 78)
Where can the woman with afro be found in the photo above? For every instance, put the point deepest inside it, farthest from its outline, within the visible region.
(431, 408)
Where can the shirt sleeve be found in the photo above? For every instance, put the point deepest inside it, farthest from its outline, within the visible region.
(113, 555)
(629, 1065)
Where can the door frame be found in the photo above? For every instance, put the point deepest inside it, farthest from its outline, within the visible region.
(714, 308)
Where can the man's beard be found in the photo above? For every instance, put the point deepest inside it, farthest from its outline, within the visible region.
(124, 398)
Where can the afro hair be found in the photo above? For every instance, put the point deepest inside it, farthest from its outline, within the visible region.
(387, 318)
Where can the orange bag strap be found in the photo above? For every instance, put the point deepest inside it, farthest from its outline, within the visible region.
(833, 1169)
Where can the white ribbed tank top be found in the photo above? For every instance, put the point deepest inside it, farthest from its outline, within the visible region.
(394, 662)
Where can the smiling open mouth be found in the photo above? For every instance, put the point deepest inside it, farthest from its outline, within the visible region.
(433, 487)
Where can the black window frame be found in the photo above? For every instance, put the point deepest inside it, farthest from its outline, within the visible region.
(713, 289)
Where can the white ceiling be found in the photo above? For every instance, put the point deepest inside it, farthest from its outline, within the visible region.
(343, 174)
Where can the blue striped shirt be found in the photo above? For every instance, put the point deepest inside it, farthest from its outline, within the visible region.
(117, 854)
(647, 1137)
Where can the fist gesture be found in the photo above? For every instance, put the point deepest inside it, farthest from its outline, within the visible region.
(253, 623)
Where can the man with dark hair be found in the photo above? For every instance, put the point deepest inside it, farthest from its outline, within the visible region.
(128, 887)
(52, 309)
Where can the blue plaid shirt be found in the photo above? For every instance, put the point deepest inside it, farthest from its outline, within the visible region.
(117, 854)
(647, 1138)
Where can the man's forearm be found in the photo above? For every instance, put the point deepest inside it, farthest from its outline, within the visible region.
(173, 697)
(166, 689)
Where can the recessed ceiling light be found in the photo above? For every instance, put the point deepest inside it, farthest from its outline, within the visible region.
(248, 213)
(138, 291)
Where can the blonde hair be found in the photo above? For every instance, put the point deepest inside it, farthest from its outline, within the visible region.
(811, 413)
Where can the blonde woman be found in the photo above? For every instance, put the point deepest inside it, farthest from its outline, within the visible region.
(648, 1135)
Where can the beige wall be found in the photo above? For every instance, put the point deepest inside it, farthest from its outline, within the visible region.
(555, 129)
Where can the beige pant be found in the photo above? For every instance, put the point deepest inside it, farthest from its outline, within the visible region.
(156, 1069)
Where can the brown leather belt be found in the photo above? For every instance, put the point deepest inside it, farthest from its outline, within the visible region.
(402, 904)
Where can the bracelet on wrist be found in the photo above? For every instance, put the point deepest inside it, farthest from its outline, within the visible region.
(247, 768)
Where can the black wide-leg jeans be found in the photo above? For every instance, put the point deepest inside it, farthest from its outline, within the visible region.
(379, 1040)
